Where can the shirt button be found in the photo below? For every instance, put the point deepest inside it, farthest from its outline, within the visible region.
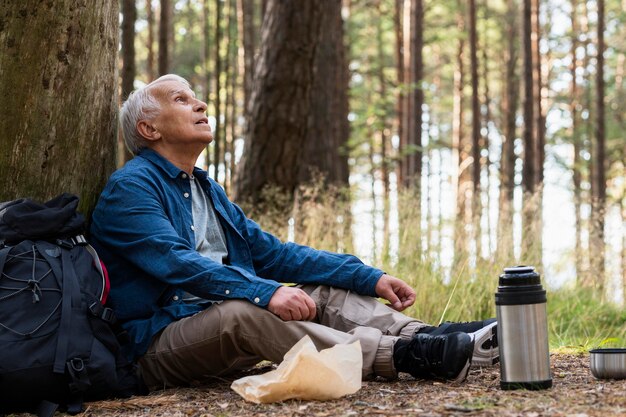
(257, 300)
(175, 298)
(186, 195)
(227, 292)
(193, 228)
(184, 175)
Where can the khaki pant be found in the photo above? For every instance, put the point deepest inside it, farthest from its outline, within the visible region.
(236, 334)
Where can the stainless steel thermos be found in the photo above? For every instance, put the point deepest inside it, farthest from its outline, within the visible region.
(522, 330)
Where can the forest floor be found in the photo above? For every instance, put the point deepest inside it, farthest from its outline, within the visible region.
(575, 392)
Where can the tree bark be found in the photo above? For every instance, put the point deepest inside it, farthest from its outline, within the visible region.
(576, 143)
(129, 68)
(485, 137)
(383, 132)
(461, 180)
(166, 29)
(217, 101)
(507, 159)
(281, 98)
(599, 198)
(410, 143)
(400, 83)
(59, 68)
(529, 168)
(245, 19)
(539, 124)
(129, 14)
(476, 127)
(535, 223)
(328, 128)
(150, 41)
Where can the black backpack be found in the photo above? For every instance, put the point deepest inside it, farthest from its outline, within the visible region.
(59, 344)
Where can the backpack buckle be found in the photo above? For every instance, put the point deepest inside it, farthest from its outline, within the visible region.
(104, 313)
(64, 243)
(108, 315)
(79, 240)
(78, 373)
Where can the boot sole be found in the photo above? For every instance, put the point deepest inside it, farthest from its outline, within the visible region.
(486, 351)
(462, 376)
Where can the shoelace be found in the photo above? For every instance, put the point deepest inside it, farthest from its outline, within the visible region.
(427, 351)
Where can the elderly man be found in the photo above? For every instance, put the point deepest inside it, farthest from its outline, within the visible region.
(198, 285)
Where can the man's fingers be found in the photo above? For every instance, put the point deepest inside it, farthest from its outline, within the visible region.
(393, 299)
(290, 303)
(296, 314)
(312, 309)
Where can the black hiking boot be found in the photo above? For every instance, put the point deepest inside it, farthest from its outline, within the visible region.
(485, 334)
(444, 357)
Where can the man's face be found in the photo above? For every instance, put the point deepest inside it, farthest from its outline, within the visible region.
(182, 119)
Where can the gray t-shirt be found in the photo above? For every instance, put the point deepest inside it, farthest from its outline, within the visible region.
(210, 239)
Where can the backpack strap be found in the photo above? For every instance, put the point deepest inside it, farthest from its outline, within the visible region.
(70, 296)
(98, 265)
(69, 280)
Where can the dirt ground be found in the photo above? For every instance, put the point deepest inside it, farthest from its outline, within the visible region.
(575, 392)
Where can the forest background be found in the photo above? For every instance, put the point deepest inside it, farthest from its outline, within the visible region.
(440, 140)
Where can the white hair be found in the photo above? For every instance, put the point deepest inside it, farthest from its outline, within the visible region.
(141, 105)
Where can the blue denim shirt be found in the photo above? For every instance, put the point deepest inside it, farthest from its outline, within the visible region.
(142, 228)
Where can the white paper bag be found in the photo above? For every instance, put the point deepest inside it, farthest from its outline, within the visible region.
(307, 374)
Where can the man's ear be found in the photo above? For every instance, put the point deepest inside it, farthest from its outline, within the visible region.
(147, 130)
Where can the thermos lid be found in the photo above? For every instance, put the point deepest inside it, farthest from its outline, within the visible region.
(519, 275)
(520, 285)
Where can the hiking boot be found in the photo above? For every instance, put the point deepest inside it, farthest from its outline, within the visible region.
(486, 351)
(446, 357)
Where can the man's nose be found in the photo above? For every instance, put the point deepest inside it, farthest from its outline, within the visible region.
(200, 106)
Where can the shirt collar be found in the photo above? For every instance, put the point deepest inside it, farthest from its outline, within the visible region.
(170, 169)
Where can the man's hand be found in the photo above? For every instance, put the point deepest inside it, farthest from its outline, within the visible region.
(290, 303)
(399, 294)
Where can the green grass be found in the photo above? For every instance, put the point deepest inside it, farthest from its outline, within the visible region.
(579, 320)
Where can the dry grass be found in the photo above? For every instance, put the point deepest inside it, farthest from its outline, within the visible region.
(575, 393)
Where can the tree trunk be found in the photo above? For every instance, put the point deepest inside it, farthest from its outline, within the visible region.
(476, 127)
(484, 137)
(129, 14)
(231, 92)
(217, 102)
(599, 198)
(529, 168)
(166, 29)
(150, 41)
(586, 141)
(417, 46)
(328, 127)
(281, 98)
(59, 67)
(129, 69)
(400, 83)
(507, 158)
(461, 180)
(247, 34)
(536, 221)
(410, 143)
(576, 142)
(539, 124)
(384, 147)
